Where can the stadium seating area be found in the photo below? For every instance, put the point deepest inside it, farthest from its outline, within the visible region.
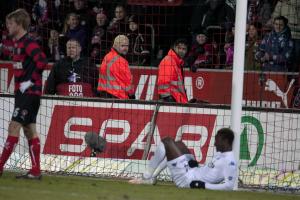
(159, 23)
(269, 142)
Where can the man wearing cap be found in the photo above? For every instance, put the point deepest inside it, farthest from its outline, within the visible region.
(115, 79)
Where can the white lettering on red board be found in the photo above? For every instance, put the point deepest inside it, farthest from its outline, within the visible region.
(125, 131)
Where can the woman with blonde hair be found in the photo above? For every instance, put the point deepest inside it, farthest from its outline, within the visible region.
(73, 30)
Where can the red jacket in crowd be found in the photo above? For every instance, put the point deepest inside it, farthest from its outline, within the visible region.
(114, 76)
(170, 78)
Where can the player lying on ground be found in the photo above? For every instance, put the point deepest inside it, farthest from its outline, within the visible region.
(219, 174)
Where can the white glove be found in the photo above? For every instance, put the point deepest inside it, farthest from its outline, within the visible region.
(25, 85)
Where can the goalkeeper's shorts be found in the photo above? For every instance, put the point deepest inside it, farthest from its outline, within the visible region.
(182, 174)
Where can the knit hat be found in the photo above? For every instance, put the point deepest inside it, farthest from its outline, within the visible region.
(201, 31)
(132, 18)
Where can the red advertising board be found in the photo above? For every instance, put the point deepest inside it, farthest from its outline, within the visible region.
(260, 90)
(125, 130)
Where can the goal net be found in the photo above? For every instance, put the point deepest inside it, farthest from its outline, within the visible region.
(270, 141)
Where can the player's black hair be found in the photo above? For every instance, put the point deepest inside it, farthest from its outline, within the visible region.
(282, 18)
(74, 40)
(180, 41)
(226, 134)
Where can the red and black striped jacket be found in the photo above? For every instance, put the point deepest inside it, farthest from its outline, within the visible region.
(29, 63)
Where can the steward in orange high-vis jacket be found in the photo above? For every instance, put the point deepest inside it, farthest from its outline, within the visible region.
(170, 78)
(115, 79)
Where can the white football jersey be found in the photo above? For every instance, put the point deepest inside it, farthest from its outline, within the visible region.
(220, 173)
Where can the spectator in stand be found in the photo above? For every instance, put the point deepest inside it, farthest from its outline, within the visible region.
(97, 7)
(33, 32)
(201, 52)
(115, 79)
(138, 53)
(80, 8)
(229, 48)
(101, 24)
(252, 43)
(197, 15)
(73, 75)
(56, 12)
(53, 46)
(40, 15)
(213, 13)
(96, 51)
(291, 10)
(99, 43)
(118, 24)
(6, 46)
(170, 74)
(259, 11)
(275, 50)
(73, 30)
(40, 12)
(264, 11)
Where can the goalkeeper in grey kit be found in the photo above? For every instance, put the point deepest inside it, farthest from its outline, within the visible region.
(219, 174)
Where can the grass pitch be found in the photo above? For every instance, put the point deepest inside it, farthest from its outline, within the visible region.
(74, 187)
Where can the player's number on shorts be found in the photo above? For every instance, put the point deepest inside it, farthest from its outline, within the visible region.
(16, 112)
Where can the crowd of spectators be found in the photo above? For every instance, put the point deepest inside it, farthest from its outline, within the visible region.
(210, 31)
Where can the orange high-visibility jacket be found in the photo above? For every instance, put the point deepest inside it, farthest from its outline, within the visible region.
(170, 78)
(114, 76)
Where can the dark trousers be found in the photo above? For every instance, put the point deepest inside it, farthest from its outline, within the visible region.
(104, 94)
(167, 99)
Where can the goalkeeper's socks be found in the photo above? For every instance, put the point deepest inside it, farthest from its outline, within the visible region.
(9, 146)
(148, 174)
(152, 174)
(160, 168)
(34, 151)
(158, 157)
